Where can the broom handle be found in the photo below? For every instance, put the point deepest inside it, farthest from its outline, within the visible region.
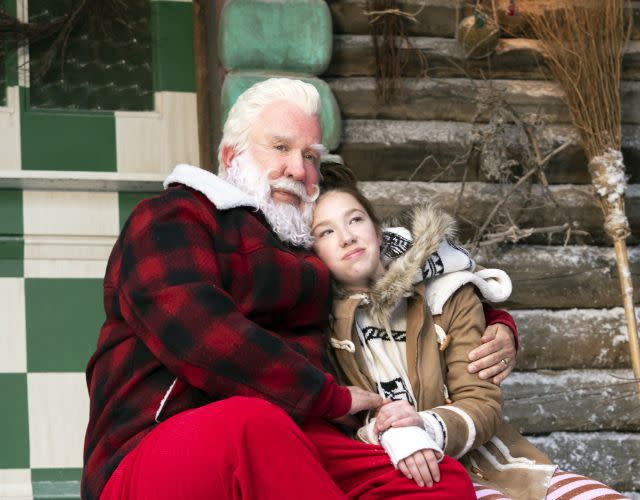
(626, 287)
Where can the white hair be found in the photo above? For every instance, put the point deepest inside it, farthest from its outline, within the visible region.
(244, 113)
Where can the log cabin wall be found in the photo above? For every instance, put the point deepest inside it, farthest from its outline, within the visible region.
(569, 392)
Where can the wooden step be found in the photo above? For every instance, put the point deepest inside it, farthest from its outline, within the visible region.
(562, 277)
(598, 339)
(572, 400)
(575, 203)
(466, 100)
(393, 149)
(433, 17)
(610, 457)
(517, 58)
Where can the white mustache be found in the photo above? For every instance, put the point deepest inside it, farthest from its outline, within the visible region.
(295, 187)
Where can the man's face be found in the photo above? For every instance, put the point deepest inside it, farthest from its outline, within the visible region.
(285, 142)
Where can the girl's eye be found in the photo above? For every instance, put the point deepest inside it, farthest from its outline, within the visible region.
(357, 218)
(324, 233)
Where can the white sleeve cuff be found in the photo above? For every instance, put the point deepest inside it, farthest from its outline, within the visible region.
(435, 426)
(401, 442)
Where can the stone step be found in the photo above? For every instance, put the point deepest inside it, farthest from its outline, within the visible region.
(393, 149)
(433, 17)
(572, 400)
(465, 99)
(517, 58)
(598, 339)
(610, 457)
(575, 203)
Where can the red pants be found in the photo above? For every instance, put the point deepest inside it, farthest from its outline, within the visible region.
(245, 448)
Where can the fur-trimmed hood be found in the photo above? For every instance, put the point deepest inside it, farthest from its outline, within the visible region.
(428, 227)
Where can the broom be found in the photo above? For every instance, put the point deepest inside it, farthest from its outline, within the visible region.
(583, 41)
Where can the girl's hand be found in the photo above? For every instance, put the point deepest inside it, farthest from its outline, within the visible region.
(422, 467)
(396, 414)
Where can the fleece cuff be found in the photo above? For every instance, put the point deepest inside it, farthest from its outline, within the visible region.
(334, 400)
(493, 316)
(402, 442)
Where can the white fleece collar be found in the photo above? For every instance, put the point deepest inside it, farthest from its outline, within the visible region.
(221, 193)
(493, 284)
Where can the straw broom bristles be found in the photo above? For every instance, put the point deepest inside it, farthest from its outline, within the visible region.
(583, 41)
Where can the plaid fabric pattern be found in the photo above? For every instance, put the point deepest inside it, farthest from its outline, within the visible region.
(256, 310)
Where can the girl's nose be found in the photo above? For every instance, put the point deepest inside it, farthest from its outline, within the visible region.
(348, 238)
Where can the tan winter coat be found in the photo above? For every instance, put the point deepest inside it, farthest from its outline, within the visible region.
(493, 452)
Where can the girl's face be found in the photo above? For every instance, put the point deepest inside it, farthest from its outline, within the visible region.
(346, 239)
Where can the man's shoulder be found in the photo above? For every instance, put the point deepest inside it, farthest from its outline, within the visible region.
(217, 190)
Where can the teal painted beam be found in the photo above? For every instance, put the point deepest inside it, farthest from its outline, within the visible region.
(56, 483)
(287, 35)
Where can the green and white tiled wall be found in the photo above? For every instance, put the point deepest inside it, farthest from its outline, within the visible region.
(51, 311)
(55, 241)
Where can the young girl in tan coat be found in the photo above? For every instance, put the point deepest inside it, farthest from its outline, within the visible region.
(404, 329)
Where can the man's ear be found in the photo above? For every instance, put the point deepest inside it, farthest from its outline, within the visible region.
(228, 153)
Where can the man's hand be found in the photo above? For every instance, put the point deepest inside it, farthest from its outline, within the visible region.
(396, 414)
(496, 357)
(360, 400)
(422, 467)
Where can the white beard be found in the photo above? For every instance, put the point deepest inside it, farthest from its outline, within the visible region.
(291, 224)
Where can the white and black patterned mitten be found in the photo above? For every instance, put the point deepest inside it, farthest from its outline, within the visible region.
(395, 242)
(447, 259)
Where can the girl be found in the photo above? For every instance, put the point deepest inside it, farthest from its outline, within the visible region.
(405, 329)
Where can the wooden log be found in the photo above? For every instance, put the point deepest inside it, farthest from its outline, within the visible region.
(574, 204)
(561, 277)
(433, 17)
(517, 58)
(610, 457)
(392, 149)
(572, 400)
(464, 99)
(597, 337)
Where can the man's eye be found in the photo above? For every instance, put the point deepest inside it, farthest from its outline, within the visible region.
(280, 147)
(310, 157)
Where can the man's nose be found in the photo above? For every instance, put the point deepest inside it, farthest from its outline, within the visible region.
(295, 168)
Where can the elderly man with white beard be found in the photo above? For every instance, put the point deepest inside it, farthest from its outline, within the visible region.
(210, 377)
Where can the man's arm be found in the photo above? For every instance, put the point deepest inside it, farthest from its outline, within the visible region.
(496, 357)
(171, 294)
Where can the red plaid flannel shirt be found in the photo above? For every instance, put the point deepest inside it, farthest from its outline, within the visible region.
(212, 299)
